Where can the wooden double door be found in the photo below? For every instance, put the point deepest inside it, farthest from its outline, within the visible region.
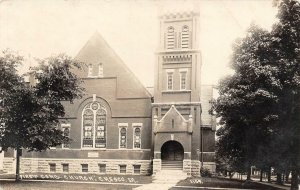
(172, 151)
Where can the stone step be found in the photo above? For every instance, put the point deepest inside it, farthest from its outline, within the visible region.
(172, 168)
(172, 164)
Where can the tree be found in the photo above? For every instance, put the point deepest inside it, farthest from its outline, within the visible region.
(286, 43)
(31, 113)
(261, 101)
(246, 101)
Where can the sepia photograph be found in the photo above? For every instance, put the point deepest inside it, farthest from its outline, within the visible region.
(149, 94)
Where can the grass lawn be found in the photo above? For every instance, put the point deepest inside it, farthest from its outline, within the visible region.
(222, 183)
(127, 179)
(38, 185)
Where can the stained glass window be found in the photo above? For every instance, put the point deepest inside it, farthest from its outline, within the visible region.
(66, 133)
(94, 126)
(90, 70)
(123, 138)
(137, 137)
(100, 74)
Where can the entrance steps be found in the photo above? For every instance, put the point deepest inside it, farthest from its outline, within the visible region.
(171, 165)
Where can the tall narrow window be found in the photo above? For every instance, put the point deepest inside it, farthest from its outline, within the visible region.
(90, 70)
(100, 128)
(88, 124)
(66, 132)
(123, 137)
(185, 37)
(100, 68)
(137, 137)
(94, 126)
(183, 80)
(170, 81)
(170, 38)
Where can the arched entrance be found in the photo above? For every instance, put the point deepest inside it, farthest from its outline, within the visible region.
(172, 154)
(172, 151)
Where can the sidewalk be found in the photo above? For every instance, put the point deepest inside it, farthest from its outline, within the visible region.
(285, 187)
(164, 180)
(256, 180)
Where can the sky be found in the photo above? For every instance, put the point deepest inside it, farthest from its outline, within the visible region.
(39, 29)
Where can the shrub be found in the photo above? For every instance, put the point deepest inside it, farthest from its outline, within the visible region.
(205, 172)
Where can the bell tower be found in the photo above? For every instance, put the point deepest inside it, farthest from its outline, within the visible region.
(178, 66)
(176, 110)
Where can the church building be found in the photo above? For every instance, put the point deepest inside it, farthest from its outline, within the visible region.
(119, 127)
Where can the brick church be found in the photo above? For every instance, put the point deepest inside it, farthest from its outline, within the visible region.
(119, 127)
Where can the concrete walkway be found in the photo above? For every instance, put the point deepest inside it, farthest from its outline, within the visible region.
(164, 180)
(284, 187)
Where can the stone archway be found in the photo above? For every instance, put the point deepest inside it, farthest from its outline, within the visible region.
(172, 151)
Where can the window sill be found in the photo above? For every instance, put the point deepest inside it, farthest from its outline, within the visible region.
(175, 91)
(82, 148)
(95, 76)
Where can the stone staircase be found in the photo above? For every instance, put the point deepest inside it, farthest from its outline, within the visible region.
(168, 177)
(172, 165)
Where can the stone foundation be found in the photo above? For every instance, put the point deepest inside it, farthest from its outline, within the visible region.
(156, 166)
(9, 165)
(195, 168)
(187, 166)
(34, 165)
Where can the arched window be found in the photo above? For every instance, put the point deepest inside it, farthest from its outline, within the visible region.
(170, 38)
(123, 137)
(100, 70)
(90, 70)
(66, 133)
(94, 126)
(185, 37)
(137, 138)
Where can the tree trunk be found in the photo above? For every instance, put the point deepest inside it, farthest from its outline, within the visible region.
(287, 174)
(18, 164)
(230, 175)
(261, 175)
(269, 174)
(294, 182)
(249, 173)
(279, 178)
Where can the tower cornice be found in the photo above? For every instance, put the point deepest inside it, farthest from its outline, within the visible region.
(179, 15)
(178, 51)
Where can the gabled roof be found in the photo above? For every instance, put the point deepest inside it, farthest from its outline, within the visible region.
(97, 50)
(173, 121)
(173, 112)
